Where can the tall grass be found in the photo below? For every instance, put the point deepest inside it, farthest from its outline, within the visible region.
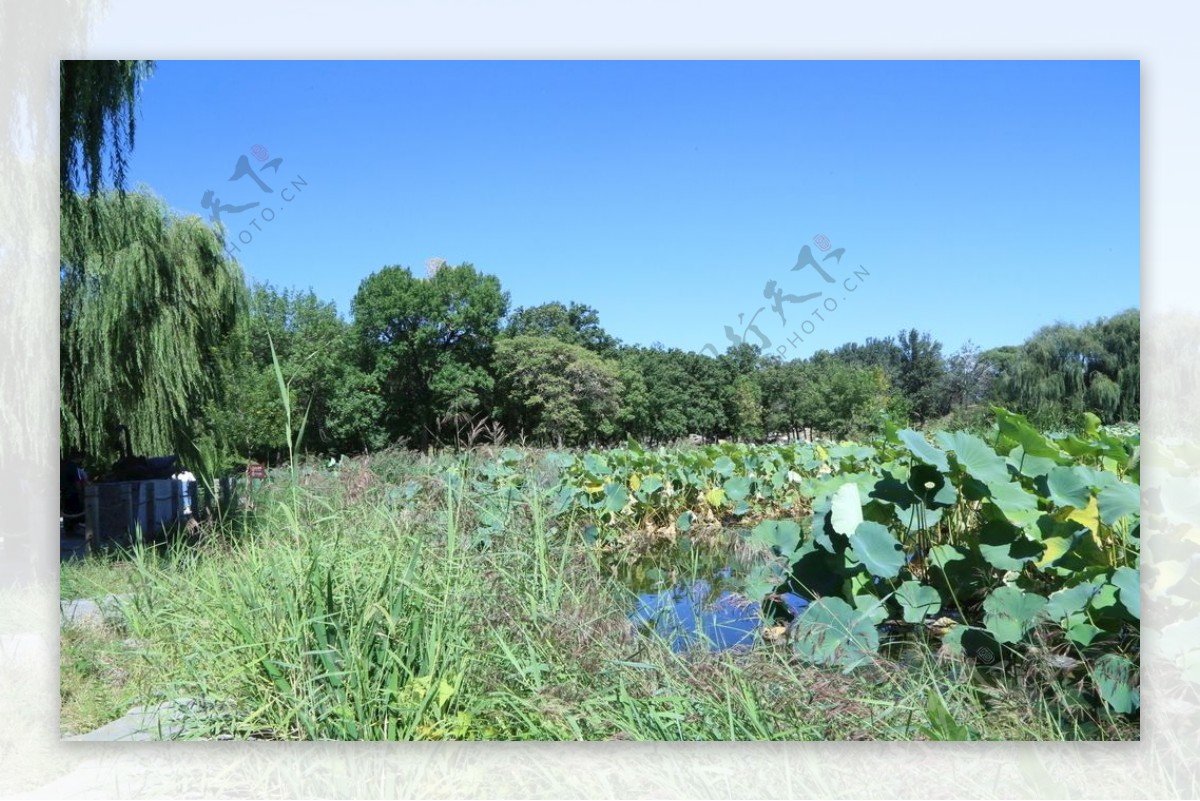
(346, 611)
(402, 598)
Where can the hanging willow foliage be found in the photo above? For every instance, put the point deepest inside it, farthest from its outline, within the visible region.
(149, 303)
(1064, 370)
(96, 112)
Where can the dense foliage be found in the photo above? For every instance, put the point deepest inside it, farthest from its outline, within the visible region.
(150, 308)
(439, 359)
(1025, 545)
(97, 102)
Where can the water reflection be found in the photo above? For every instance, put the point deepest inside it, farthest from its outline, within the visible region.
(697, 614)
(706, 614)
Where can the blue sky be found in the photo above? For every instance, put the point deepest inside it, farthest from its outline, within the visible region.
(974, 200)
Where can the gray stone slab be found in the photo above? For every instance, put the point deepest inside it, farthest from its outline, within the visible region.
(142, 724)
(88, 611)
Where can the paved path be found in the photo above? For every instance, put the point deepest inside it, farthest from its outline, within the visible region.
(87, 611)
(142, 724)
(161, 722)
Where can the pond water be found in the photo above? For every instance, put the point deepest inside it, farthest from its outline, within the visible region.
(706, 613)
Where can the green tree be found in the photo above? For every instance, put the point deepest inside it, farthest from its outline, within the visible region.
(1064, 370)
(747, 408)
(783, 397)
(922, 375)
(968, 377)
(742, 395)
(576, 324)
(634, 417)
(672, 394)
(97, 101)
(883, 352)
(149, 304)
(313, 347)
(557, 391)
(657, 403)
(428, 343)
(840, 399)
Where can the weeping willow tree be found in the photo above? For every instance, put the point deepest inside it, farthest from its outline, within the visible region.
(1065, 370)
(149, 306)
(97, 100)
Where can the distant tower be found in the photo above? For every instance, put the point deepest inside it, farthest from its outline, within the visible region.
(433, 265)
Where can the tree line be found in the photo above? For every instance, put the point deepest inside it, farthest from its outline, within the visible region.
(441, 358)
(425, 359)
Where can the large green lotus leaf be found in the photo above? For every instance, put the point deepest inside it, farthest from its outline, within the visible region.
(918, 601)
(1079, 448)
(877, 549)
(1114, 676)
(737, 488)
(975, 456)
(1097, 479)
(942, 555)
(1069, 486)
(846, 509)
(1082, 633)
(1128, 584)
(564, 501)
(918, 446)
(816, 572)
(1055, 549)
(1009, 612)
(779, 478)
(883, 513)
(1016, 428)
(1066, 606)
(560, 461)
(1116, 448)
(972, 488)
(1005, 546)
(930, 485)
(1105, 600)
(595, 464)
(615, 497)
(831, 632)
(651, 485)
(957, 573)
(822, 526)
(1018, 505)
(851, 453)
(684, 521)
(1084, 555)
(893, 491)
(783, 535)
(1118, 501)
(871, 607)
(762, 580)
(723, 466)
(977, 644)
(1029, 465)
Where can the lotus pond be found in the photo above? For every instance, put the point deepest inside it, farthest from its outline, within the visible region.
(956, 586)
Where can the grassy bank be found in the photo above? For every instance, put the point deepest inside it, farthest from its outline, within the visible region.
(401, 598)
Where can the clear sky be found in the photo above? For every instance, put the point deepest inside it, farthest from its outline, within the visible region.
(975, 200)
